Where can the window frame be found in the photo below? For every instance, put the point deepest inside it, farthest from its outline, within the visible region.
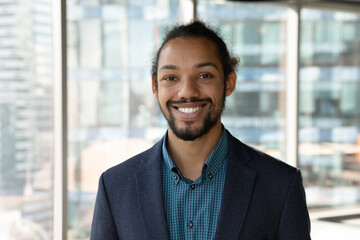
(60, 210)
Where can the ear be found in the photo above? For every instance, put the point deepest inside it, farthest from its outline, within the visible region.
(154, 87)
(230, 83)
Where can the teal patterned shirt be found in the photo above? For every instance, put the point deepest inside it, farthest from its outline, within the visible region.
(192, 208)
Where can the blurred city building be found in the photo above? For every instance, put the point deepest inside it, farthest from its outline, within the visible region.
(26, 120)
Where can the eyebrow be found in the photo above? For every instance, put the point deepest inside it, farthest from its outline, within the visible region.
(196, 66)
(205, 64)
(171, 67)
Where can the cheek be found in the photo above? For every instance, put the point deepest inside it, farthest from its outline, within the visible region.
(216, 93)
(165, 94)
(162, 98)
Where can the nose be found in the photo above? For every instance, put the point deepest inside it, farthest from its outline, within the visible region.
(188, 89)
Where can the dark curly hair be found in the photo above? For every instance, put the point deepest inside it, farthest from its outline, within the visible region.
(193, 30)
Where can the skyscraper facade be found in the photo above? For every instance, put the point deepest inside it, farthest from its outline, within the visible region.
(26, 120)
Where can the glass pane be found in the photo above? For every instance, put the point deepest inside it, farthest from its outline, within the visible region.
(330, 108)
(115, 42)
(255, 112)
(112, 113)
(90, 43)
(26, 120)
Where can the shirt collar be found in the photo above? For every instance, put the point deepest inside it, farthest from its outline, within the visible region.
(212, 164)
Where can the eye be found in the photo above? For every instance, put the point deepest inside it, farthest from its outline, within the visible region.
(205, 75)
(169, 78)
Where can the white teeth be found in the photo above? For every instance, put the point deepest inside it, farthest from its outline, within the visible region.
(189, 110)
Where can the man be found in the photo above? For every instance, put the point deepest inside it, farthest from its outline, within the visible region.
(199, 182)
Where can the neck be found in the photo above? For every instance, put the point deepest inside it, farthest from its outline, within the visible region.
(190, 156)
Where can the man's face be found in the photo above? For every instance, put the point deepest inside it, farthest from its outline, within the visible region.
(190, 86)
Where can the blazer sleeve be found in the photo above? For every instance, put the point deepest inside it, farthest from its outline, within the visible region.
(103, 226)
(295, 221)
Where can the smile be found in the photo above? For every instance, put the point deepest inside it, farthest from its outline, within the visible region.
(189, 110)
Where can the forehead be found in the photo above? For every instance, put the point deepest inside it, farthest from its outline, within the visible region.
(182, 51)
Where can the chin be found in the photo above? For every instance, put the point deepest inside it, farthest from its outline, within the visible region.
(191, 133)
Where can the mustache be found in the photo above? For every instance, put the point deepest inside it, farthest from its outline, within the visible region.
(190, 100)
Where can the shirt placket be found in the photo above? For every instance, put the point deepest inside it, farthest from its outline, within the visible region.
(190, 224)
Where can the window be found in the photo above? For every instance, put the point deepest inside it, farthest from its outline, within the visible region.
(26, 120)
(329, 109)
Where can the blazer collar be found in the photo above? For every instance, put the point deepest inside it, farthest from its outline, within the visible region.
(150, 195)
(237, 192)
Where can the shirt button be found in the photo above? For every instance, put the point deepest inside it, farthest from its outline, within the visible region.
(192, 186)
(176, 177)
(210, 176)
(190, 224)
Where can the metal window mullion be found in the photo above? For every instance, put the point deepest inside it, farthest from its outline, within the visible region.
(60, 120)
(338, 6)
(195, 3)
(292, 84)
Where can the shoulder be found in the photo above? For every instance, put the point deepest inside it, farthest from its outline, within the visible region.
(273, 178)
(274, 188)
(266, 165)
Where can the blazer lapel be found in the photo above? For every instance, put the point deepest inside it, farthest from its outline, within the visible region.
(237, 192)
(150, 196)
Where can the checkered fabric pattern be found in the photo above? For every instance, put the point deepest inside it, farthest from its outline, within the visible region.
(192, 208)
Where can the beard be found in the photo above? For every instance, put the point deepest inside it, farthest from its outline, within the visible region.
(190, 133)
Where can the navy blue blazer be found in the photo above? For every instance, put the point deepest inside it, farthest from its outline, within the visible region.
(263, 198)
